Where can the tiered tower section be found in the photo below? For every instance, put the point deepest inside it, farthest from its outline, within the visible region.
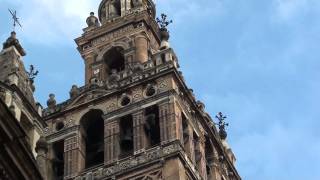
(16, 90)
(135, 118)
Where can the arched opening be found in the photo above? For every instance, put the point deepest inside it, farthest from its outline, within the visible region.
(114, 60)
(126, 136)
(58, 160)
(92, 127)
(152, 126)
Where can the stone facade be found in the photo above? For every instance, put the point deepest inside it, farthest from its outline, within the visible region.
(135, 118)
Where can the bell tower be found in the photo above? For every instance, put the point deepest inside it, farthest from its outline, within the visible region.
(125, 39)
(135, 117)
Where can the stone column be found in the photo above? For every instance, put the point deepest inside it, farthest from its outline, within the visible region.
(139, 135)
(88, 70)
(174, 170)
(168, 122)
(111, 141)
(42, 150)
(141, 43)
(202, 163)
(74, 155)
(189, 146)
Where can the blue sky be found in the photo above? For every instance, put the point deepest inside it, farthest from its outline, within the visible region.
(255, 60)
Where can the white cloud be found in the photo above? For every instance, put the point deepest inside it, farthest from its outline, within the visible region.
(53, 22)
(57, 22)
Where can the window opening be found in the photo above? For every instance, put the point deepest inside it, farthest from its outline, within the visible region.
(126, 136)
(58, 160)
(152, 126)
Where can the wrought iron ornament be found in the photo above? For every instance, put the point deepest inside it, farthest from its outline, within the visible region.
(163, 22)
(32, 74)
(222, 125)
(15, 19)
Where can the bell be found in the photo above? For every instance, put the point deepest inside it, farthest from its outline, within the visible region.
(127, 136)
(151, 120)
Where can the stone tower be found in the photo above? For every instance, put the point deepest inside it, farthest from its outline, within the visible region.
(17, 88)
(21, 124)
(135, 118)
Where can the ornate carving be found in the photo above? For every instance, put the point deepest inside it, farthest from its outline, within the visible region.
(113, 35)
(135, 161)
(111, 105)
(137, 94)
(163, 84)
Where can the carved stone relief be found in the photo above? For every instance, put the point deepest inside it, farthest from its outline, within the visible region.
(111, 104)
(137, 94)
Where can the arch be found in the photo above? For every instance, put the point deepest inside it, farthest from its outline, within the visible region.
(102, 6)
(114, 60)
(101, 54)
(92, 130)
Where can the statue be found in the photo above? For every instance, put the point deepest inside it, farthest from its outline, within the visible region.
(114, 8)
(74, 91)
(92, 21)
(51, 101)
(13, 41)
(113, 79)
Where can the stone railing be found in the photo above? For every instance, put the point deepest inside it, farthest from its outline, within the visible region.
(150, 68)
(149, 156)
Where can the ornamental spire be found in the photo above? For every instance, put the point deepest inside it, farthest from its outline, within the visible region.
(222, 125)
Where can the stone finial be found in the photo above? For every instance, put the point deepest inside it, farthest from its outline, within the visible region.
(164, 33)
(92, 20)
(13, 41)
(74, 91)
(222, 125)
(201, 106)
(51, 101)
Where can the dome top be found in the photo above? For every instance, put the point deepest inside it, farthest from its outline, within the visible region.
(109, 9)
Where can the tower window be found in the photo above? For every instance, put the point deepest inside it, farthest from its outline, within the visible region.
(126, 136)
(125, 101)
(152, 126)
(58, 160)
(185, 129)
(114, 60)
(150, 91)
(92, 125)
(59, 126)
